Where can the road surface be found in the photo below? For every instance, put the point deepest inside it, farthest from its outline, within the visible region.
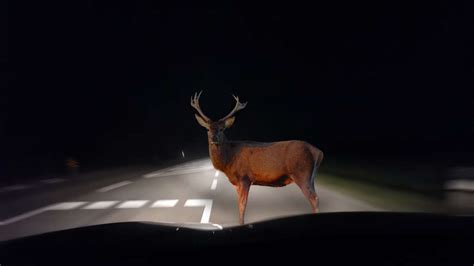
(191, 193)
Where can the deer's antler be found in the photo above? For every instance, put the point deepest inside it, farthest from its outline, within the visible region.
(238, 106)
(195, 105)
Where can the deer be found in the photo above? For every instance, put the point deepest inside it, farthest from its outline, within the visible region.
(246, 163)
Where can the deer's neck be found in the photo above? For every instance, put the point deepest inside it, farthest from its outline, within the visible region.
(221, 155)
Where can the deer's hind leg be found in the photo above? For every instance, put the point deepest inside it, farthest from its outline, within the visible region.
(305, 181)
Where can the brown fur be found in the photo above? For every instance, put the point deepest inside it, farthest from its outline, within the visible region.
(267, 164)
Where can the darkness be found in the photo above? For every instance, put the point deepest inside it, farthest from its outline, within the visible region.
(109, 82)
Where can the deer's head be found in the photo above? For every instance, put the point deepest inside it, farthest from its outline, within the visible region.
(215, 129)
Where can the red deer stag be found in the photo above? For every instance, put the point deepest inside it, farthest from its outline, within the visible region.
(248, 163)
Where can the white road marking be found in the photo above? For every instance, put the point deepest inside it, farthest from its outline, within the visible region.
(214, 184)
(114, 186)
(100, 205)
(23, 216)
(164, 203)
(58, 207)
(217, 173)
(218, 226)
(131, 204)
(14, 187)
(207, 203)
(63, 206)
(52, 180)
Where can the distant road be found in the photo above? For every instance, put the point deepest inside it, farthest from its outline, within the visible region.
(192, 192)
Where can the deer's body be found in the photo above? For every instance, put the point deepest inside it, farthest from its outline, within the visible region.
(249, 163)
(273, 164)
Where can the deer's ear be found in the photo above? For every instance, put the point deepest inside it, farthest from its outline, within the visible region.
(229, 122)
(201, 121)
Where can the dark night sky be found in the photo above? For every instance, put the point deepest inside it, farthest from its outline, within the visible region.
(111, 80)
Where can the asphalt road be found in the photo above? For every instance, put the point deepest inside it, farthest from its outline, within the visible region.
(187, 193)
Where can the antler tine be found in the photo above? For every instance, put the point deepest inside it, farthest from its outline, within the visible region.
(195, 105)
(238, 106)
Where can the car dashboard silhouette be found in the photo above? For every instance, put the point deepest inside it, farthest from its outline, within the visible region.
(370, 237)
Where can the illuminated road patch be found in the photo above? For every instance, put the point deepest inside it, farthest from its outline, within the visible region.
(183, 169)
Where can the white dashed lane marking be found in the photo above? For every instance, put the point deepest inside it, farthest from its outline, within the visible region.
(23, 216)
(108, 204)
(55, 207)
(214, 184)
(132, 204)
(65, 206)
(100, 205)
(114, 186)
(206, 203)
(164, 203)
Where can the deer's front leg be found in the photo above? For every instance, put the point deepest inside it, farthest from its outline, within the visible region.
(243, 188)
